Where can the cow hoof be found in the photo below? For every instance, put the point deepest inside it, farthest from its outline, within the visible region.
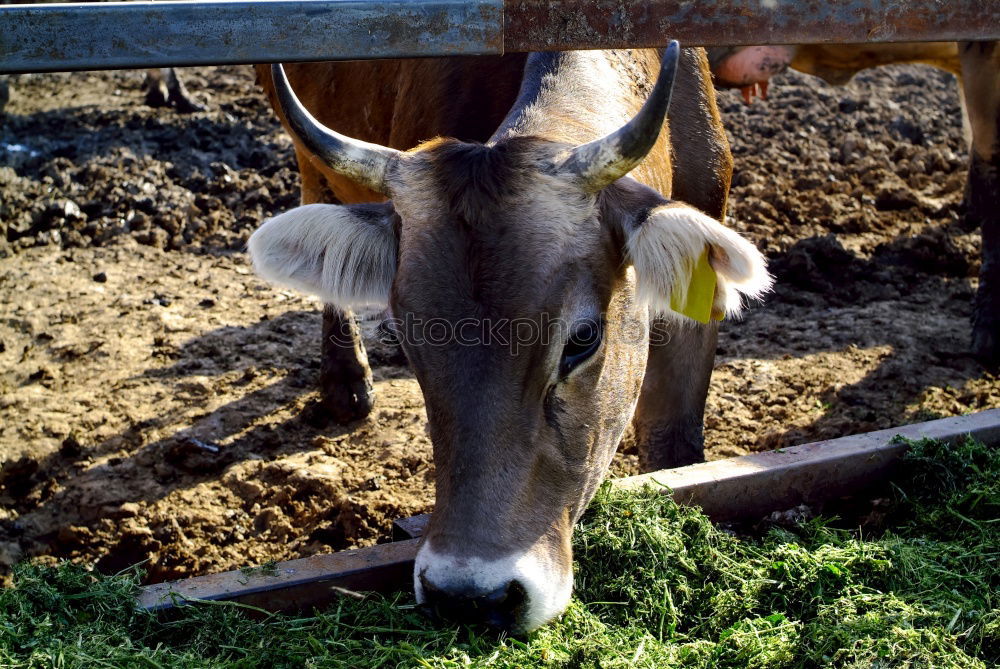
(346, 404)
(670, 446)
(4, 94)
(156, 96)
(986, 344)
(186, 104)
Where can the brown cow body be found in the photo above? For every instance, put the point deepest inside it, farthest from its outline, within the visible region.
(527, 217)
(977, 65)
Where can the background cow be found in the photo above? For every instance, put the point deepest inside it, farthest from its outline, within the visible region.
(977, 65)
(538, 221)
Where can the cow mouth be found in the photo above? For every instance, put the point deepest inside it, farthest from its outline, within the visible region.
(500, 610)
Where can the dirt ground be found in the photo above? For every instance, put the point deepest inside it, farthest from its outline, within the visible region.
(158, 402)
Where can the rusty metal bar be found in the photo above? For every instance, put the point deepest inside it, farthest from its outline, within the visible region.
(410, 528)
(539, 25)
(109, 35)
(295, 585)
(55, 37)
(752, 486)
(747, 486)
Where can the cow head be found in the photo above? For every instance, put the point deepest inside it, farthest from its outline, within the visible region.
(521, 275)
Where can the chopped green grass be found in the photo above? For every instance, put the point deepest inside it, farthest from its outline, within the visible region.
(657, 586)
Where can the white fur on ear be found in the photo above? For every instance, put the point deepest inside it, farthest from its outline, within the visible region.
(345, 254)
(665, 247)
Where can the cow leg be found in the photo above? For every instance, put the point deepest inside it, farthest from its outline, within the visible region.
(670, 413)
(165, 89)
(981, 85)
(177, 94)
(156, 88)
(345, 378)
(4, 93)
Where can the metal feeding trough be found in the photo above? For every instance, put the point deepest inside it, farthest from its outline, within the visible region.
(745, 487)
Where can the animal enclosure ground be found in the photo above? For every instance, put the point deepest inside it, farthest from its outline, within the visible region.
(158, 402)
(657, 585)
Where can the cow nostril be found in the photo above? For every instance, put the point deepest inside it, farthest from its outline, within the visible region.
(497, 597)
(503, 606)
(500, 608)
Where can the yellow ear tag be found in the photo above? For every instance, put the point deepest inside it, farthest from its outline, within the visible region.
(700, 292)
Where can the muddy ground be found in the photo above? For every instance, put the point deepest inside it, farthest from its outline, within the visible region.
(158, 402)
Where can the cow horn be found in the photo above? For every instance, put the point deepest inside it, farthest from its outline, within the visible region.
(604, 161)
(363, 162)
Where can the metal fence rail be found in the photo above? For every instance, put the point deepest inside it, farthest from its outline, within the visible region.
(54, 37)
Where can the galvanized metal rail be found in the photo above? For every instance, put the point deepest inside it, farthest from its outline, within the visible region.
(745, 487)
(63, 37)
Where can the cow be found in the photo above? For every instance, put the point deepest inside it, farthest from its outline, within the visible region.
(977, 64)
(572, 207)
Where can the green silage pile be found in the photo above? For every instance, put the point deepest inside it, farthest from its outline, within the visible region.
(657, 586)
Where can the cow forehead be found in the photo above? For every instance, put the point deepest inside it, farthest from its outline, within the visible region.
(495, 228)
(480, 184)
(512, 266)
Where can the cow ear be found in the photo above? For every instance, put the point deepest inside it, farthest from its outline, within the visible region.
(345, 254)
(665, 248)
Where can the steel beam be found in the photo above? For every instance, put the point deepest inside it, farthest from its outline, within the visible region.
(59, 37)
(540, 25)
(754, 485)
(110, 35)
(295, 585)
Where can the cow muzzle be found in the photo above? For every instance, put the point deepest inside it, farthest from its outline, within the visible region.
(515, 593)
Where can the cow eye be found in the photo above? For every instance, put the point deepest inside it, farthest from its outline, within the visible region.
(584, 340)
